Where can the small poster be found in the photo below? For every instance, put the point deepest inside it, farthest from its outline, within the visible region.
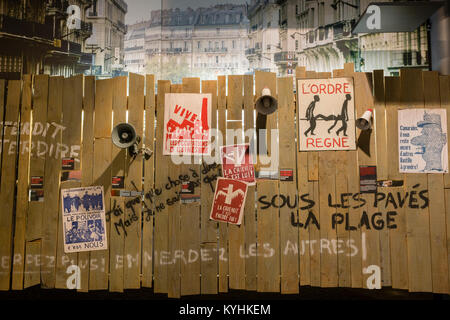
(237, 163)
(83, 219)
(118, 182)
(229, 201)
(286, 174)
(368, 179)
(187, 123)
(37, 182)
(36, 195)
(68, 164)
(326, 114)
(422, 141)
(188, 194)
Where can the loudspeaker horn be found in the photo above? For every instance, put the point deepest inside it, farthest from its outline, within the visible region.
(266, 104)
(365, 122)
(124, 135)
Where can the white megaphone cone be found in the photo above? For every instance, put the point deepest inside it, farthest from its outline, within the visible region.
(365, 122)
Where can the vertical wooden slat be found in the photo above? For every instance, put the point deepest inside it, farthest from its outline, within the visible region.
(87, 165)
(7, 187)
(161, 241)
(287, 148)
(209, 265)
(417, 219)
(37, 157)
(382, 159)
(51, 185)
(22, 187)
(149, 177)
(133, 181)
(223, 227)
(366, 157)
(268, 265)
(190, 216)
(174, 230)
(438, 241)
(117, 216)
(444, 90)
(99, 260)
(250, 208)
(236, 234)
(71, 136)
(397, 236)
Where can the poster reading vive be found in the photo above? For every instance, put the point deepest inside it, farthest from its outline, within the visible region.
(326, 114)
(237, 163)
(83, 219)
(229, 201)
(422, 141)
(187, 123)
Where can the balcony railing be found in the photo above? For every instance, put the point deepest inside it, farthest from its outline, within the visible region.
(25, 28)
(218, 50)
(250, 51)
(134, 48)
(285, 56)
(69, 47)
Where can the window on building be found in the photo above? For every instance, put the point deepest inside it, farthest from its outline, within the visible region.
(296, 45)
(217, 59)
(218, 30)
(234, 44)
(198, 44)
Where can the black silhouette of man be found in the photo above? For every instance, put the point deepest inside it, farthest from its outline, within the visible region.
(310, 116)
(343, 117)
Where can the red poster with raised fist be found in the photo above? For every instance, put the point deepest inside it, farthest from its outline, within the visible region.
(229, 201)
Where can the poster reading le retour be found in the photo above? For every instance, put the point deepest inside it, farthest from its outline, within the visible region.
(187, 123)
(326, 114)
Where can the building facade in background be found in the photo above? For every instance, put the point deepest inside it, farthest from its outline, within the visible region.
(205, 42)
(35, 38)
(317, 34)
(106, 43)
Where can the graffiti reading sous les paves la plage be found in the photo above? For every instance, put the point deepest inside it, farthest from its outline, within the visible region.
(326, 114)
(422, 141)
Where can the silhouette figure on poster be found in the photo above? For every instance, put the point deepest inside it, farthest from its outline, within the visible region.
(310, 116)
(89, 201)
(432, 141)
(343, 117)
(85, 232)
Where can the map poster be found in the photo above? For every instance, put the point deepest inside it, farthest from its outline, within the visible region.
(422, 141)
(326, 114)
(229, 201)
(237, 163)
(187, 123)
(83, 219)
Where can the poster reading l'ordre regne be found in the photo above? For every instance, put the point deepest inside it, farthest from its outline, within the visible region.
(83, 219)
(422, 141)
(187, 123)
(326, 114)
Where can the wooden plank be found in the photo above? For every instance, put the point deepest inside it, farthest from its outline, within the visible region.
(417, 219)
(268, 264)
(51, 186)
(250, 207)
(223, 227)
(190, 215)
(118, 156)
(37, 157)
(370, 241)
(327, 186)
(447, 216)
(444, 89)
(438, 241)
(288, 233)
(309, 261)
(149, 178)
(175, 237)
(87, 164)
(71, 137)
(210, 170)
(99, 260)
(397, 236)
(236, 234)
(32, 276)
(382, 166)
(133, 181)
(22, 187)
(161, 241)
(8, 182)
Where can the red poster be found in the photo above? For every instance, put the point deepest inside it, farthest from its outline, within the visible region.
(229, 200)
(237, 163)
